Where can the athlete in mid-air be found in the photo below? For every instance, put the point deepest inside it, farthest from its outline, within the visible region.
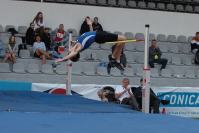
(88, 38)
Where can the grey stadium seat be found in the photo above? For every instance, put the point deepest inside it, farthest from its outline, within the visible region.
(22, 29)
(129, 47)
(141, 4)
(70, 1)
(18, 40)
(139, 46)
(116, 72)
(47, 69)
(178, 72)
(89, 68)
(196, 9)
(189, 39)
(151, 5)
(130, 56)
(122, 3)
(188, 8)
(187, 60)
(173, 48)
(129, 35)
(161, 6)
(1, 28)
(19, 68)
(81, 1)
(112, 3)
(4, 38)
(171, 38)
(170, 7)
(182, 39)
(118, 32)
(190, 73)
(151, 36)
(140, 58)
(139, 36)
(179, 8)
(166, 73)
(197, 1)
(92, 2)
(176, 60)
(77, 68)
(101, 71)
(4, 68)
(161, 37)
(24, 53)
(132, 3)
(102, 2)
(62, 69)
(129, 71)
(164, 48)
(33, 68)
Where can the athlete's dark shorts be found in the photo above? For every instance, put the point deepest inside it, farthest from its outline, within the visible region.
(103, 36)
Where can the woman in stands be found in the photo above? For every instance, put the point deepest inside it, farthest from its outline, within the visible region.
(85, 41)
(38, 21)
(39, 50)
(11, 50)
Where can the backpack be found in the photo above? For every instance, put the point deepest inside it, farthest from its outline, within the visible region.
(197, 58)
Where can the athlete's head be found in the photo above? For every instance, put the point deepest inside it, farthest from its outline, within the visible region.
(75, 58)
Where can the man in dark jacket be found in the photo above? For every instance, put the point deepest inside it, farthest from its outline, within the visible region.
(30, 34)
(155, 56)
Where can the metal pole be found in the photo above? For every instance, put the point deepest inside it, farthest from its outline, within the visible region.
(146, 74)
(69, 69)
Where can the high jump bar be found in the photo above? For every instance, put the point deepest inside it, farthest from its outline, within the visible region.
(125, 41)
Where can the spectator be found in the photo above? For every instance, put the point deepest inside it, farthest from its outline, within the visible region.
(38, 21)
(107, 94)
(39, 50)
(86, 25)
(123, 61)
(2, 50)
(96, 25)
(46, 38)
(125, 95)
(195, 42)
(155, 56)
(154, 100)
(30, 34)
(11, 50)
(60, 37)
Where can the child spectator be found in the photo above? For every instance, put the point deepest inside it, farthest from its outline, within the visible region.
(96, 25)
(39, 50)
(86, 26)
(38, 21)
(11, 50)
(195, 42)
(30, 34)
(2, 50)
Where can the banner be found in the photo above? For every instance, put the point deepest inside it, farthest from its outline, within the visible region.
(184, 101)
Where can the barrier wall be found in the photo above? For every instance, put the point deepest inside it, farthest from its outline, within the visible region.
(184, 101)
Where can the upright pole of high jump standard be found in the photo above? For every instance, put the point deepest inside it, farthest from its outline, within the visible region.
(69, 69)
(146, 74)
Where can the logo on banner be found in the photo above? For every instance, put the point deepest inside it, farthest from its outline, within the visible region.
(56, 91)
(180, 99)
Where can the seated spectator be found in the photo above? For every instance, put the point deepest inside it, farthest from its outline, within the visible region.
(123, 60)
(45, 37)
(96, 25)
(154, 100)
(60, 38)
(11, 50)
(155, 55)
(38, 21)
(86, 26)
(30, 34)
(125, 95)
(39, 50)
(2, 50)
(107, 94)
(195, 42)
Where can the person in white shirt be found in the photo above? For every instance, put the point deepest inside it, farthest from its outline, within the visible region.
(39, 50)
(38, 21)
(125, 95)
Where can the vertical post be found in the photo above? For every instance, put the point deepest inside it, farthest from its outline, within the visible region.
(69, 69)
(146, 74)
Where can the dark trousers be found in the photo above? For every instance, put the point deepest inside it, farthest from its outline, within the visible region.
(162, 61)
(132, 102)
(194, 46)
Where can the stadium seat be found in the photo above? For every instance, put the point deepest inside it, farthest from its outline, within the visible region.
(1, 28)
(7, 27)
(118, 32)
(4, 38)
(171, 38)
(196, 9)
(130, 47)
(77, 68)
(190, 73)
(151, 36)
(139, 46)
(182, 39)
(132, 4)
(141, 4)
(186, 49)
(139, 36)
(170, 7)
(102, 2)
(129, 71)
(129, 35)
(189, 39)
(92, 2)
(164, 48)
(187, 60)
(19, 68)
(22, 29)
(102, 71)
(188, 8)
(176, 60)
(102, 55)
(139, 71)
(70, 1)
(140, 58)
(89, 68)
(130, 56)
(33, 68)
(166, 73)
(112, 2)
(116, 72)
(122, 3)
(197, 1)
(178, 72)
(151, 5)
(81, 1)
(154, 73)
(47, 69)
(173, 48)
(24, 53)
(62, 69)
(18, 40)
(179, 8)
(161, 37)
(4, 68)
(161, 6)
